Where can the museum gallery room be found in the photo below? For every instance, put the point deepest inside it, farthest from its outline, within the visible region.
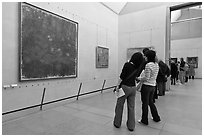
(62, 66)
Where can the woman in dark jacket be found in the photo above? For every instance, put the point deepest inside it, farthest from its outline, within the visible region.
(128, 85)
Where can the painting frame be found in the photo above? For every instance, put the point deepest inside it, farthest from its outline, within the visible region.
(192, 61)
(102, 57)
(174, 59)
(57, 61)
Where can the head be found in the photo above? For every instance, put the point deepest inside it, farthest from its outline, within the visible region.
(151, 56)
(181, 59)
(161, 63)
(137, 59)
(144, 51)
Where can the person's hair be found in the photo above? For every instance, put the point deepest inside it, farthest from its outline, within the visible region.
(145, 50)
(137, 59)
(151, 55)
(161, 63)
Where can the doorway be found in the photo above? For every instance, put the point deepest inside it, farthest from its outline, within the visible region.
(182, 27)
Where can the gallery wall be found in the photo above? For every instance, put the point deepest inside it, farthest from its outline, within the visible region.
(188, 48)
(97, 26)
(140, 29)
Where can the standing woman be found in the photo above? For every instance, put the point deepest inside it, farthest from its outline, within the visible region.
(182, 71)
(148, 88)
(191, 71)
(128, 86)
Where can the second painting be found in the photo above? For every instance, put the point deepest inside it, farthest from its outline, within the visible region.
(102, 57)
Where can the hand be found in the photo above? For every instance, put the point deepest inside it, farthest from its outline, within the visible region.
(137, 79)
(117, 88)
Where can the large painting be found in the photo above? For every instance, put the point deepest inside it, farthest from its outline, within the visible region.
(193, 61)
(102, 57)
(48, 45)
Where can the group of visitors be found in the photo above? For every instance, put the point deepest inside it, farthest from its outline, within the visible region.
(146, 63)
(151, 74)
(181, 71)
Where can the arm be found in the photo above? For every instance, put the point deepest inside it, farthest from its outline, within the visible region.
(147, 72)
(119, 81)
(168, 72)
(122, 76)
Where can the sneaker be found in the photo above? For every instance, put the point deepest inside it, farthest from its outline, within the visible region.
(156, 120)
(139, 121)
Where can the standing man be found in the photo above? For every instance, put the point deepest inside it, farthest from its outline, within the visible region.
(164, 73)
(173, 72)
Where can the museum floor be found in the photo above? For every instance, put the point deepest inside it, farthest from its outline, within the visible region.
(180, 110)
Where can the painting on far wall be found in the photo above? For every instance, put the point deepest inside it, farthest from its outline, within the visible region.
(48, 45)
(131, 51)
(102, 57)
(174, 59)
(193, 61)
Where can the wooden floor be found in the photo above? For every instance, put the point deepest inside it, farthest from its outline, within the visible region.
(180, 110)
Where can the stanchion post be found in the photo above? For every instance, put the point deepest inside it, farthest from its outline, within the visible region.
(79, 91)
(42, 99)
(114, 89)
(103, 85)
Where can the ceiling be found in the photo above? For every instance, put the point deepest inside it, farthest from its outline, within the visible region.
(115, 6)
(121, 8)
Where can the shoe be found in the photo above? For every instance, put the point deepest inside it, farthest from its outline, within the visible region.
(139, 121)
(116, 126)
(156, 120)
(131, 129)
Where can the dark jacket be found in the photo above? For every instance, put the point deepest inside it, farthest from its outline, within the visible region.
(128, 68)
(163, 73)
(174, 70)
(182, 65)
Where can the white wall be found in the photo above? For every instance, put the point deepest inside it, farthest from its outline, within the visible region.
(188, 48)
(97, 26)
(142, 29)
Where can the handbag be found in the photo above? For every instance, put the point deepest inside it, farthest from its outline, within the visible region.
(138, 86)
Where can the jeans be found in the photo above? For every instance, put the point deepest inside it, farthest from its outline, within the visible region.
(173, 80)
(182, 77)
(130, 93)
(147, 94)
(161, 88)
